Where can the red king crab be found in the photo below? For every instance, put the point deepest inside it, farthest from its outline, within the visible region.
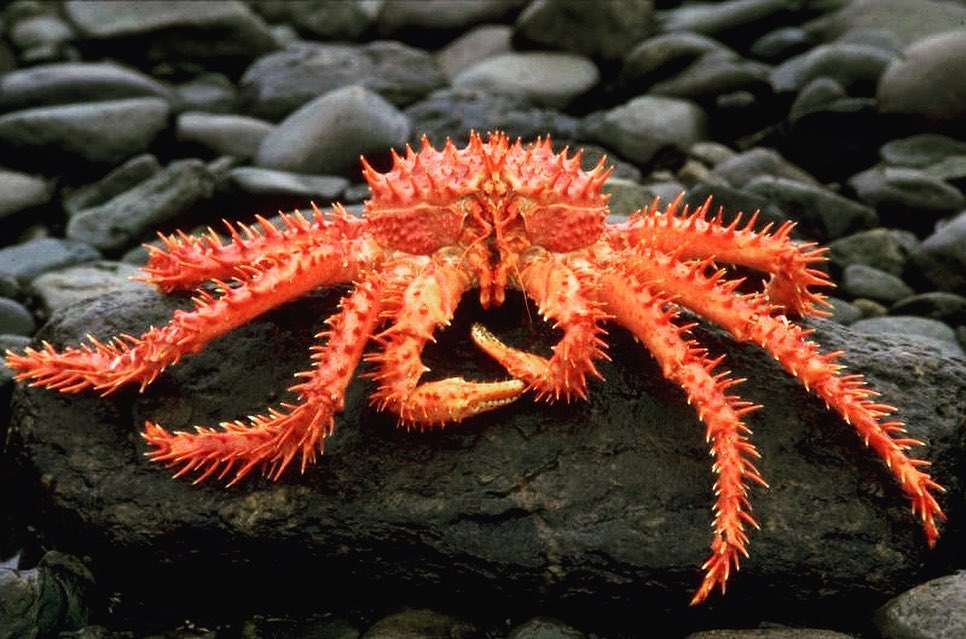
(490, 216)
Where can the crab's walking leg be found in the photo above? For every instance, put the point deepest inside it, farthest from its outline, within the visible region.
(563, 295)
(106, 367)
(426, 303)
(752, 318)
(185, 261)
(273, 440)
(692, 235)
(636, 307)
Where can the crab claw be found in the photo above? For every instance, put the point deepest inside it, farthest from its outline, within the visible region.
(455, 399)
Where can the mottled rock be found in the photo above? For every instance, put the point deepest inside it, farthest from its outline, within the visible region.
(22, 263)
(129, 215)
(911, 327)
(859, 280)
(826, 214)
(855, 67)
(542, 78)
(646, 125)
(318, 188)
(770, 633)
(545, 628)
(928, 82)
(935, 609)
(92, 133)
(607, 31)
(328, 134)
(124, 177)
(15, 319)
(941, 258)
(908, 198)
(54, 597)
(73, 82)
(344, 20)
(66, 287)
(470, 48)
(884, 249)
(235, 135)
(20, 191)
(278, 84)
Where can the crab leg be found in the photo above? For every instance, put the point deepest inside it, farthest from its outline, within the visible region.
(562, 294)
(427, 302)
(692, 235)
(273, 440)
(636, 307)
(106, 367)
(752, 318)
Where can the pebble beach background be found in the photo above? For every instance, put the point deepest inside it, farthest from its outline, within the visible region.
(122, 119)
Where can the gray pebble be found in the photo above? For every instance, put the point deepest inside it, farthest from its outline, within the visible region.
(69, 286)
(922, 150)
(20, 191)
(22, 263)
(884, 249)
(470, 48)
(907, 198)
(741, 168)
(124, 177)
(541, 78)
(938, 305)
(859, 280)
(235, 135)
(829, 213)
(910, 326)
(941, 258)
(318, 188)
(853, 66)
(933, 610)
(15, 319)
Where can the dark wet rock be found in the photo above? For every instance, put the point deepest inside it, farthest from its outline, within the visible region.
(714, 74)
(222, 33)
(647, 125)
(855, 67)
(928, 82)
(324, 626)
(21, 191)
(828, 215)
(859, 280)
(318, 188)
(834, 139)
(542, 78)
(98, 133)
(941, 258)
(66, 287)
(608, 31)
(545, 628)
(129, 215)
(843, 312)
(913, 328)
(741, 168)
(421, 623)
(600, 506)
(328, 134)
(770, 633)
(124, 177)
(734, 201)
(662, 57)
(870, 308)
(208, 92)
(884, 249)
(345, 20)
(921, 150)
(15, 319)
(53, 597)
(235, 135)
(479, 44)
(814, 95)
(22, 263)
(73, 82)
(938, 305)
(907, 198)
(935, 609)
(453, 113)
(907, 20)
(278, 84)
(729, 20)
(781, 44)
(626, 196)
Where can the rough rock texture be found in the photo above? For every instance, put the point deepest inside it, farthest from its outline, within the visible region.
(601, 505)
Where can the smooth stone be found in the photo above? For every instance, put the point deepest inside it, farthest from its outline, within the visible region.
(66, 287)
(419, 623)
(15, 319)
(606, 32)
(714, 74)
(129, 215)
(22, 263)
(921, 150)
(908, 198)
(719, 18)
(938, 305)
(951, 170)
(73, 82)
(935, 609)
(641, 128)
(626, 196)
(346, 20)
(319, 188)
(843, 312)
(781, 44)
(95, 132)
(822, 210)
(328, 134)
(859, 280)
(545, 79)
(208, 92)
(399, 15)
(235, 135)
(907, 20)
(885, 249)
(855, 67)
(911, 327)
(941, 258)
(711, 153)
(483, 42)
(928, 81)
(741, 168)
(43, 30)
(21, 191)
(816, 94)
(124, 177)
(279, 83)
(663, 56)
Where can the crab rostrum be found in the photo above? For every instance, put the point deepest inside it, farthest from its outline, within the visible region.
(488, 217)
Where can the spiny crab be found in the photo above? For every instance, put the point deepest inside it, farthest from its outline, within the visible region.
(489, 216)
